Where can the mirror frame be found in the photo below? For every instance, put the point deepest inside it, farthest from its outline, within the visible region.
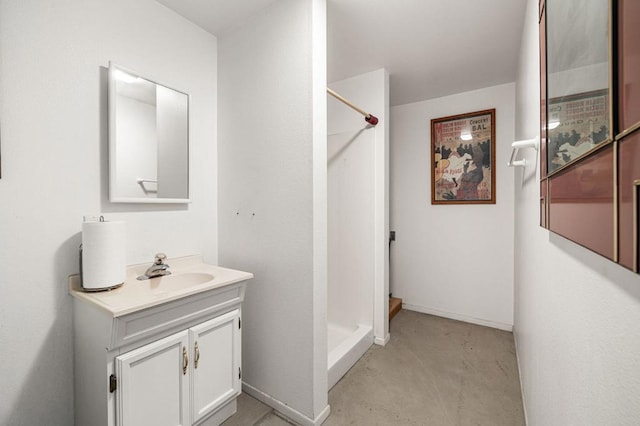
(114, 197)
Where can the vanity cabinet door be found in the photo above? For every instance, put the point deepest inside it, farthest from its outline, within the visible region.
(154, 384)
(215, 345)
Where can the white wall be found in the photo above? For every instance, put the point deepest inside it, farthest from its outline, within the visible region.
(358, 172)
(53, 108)
(272, 219)
(576, 313)
(453, 261)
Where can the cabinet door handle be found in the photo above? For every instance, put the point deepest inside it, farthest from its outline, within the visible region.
(185, 360)
(196, 349)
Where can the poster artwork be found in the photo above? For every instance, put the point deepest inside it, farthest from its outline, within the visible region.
(462, 149)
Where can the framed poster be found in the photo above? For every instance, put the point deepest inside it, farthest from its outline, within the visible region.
(463, 158)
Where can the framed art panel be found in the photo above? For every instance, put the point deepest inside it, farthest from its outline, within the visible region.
(463, 158)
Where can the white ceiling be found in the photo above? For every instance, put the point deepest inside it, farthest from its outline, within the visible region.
(216, 16)
(430, 48)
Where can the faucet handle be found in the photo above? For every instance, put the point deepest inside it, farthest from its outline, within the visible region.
(160, 257)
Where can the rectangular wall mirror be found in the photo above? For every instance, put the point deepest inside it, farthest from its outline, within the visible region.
(148, 140)
(578, 78)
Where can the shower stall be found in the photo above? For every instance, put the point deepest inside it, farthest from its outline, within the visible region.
(357, 221)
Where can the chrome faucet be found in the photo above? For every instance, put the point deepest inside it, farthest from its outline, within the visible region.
(157, 269)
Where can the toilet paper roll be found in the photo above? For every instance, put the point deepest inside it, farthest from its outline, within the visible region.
(103, 254)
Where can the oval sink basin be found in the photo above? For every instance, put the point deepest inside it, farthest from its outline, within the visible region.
(179, 281)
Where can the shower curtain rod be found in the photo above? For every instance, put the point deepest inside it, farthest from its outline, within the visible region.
(369, 118)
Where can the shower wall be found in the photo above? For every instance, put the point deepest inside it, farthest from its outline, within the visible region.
(357, 174)
(350, 174)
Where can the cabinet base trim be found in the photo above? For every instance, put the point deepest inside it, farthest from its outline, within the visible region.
(285, 410)
(221, 415)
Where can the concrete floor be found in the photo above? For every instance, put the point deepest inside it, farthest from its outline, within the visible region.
(433, 371)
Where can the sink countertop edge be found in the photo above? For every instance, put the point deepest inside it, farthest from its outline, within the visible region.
(135, 298)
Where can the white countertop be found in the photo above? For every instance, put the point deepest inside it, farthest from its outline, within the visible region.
(135, 295)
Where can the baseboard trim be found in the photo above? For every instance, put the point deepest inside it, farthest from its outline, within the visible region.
(459, 317)
(524, 400)
(382, 341)
(284, 410)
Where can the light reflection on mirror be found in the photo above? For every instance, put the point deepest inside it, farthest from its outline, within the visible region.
(577, 78)
(148, 140)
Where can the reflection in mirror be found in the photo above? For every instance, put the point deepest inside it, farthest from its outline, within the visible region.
(577, 78)
(148, 140)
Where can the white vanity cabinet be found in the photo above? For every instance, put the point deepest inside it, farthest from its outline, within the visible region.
(183, 378)
(172, 360)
